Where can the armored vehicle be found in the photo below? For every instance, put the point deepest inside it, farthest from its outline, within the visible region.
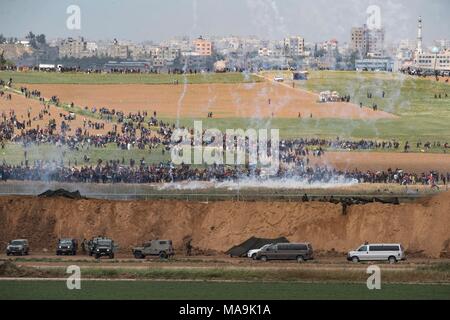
(101, 246)
(67, 246)
(161, 248)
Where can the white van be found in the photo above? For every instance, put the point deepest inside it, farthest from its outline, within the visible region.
(391, 252)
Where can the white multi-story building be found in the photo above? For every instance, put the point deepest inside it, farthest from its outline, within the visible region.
(118, 51)
(164, 55)
(330, 45)
(375, 47)
(74, 48)
(294, 46)
(438, 61)
(264, 52)
(92, 47)
(181, 43)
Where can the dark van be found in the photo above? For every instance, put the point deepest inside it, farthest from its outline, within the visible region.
(287, 251)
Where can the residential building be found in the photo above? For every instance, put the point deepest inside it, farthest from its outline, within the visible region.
(438, 61)
(74, 48)
(330, 45)
(164, 55)
(359, 40)
(375, 46)
(92, 47)
(202, 46)
(118, 51)
(265, 52)
(294, 46)
(194, 61)
(368, 42)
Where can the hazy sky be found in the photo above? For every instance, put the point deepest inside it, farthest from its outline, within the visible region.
(140, 20)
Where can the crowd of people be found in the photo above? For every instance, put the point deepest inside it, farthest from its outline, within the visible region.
(145, 131)
(114, 171)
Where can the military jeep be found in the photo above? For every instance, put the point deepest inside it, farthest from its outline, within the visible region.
(101, 246)
(161, 248)
(67, 246)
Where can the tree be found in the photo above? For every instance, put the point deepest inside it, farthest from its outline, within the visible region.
(320, 53)
(31, 37)
(2, 39)
(337, 55)
(352, 59)
(41, 39)
(2, 59)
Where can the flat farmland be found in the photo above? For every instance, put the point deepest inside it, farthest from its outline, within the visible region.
(32, 77)
(245, 100)
(158, 290)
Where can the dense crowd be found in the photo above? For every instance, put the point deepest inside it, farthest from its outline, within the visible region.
(116, 172)
(145, 131)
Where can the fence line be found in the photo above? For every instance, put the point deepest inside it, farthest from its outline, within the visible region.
(238, 196)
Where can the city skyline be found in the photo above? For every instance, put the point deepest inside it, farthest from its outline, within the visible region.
(266, 19)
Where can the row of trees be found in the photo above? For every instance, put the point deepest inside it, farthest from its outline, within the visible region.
(36, 40)
(3, 39)
(5, 63)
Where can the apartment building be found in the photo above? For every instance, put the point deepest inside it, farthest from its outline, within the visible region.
(202, 47)
(74, 48)
(294, 46)
(438, 61)
(368, 42)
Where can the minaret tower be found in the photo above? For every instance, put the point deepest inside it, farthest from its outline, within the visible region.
(419, 37)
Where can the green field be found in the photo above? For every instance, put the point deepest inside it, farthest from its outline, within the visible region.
(33, 77)
(421, 116)
(201, 290)
(15, 154)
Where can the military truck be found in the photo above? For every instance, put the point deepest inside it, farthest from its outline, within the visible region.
(18, 247)
(101, 246)
(161, 248)
(67, 246)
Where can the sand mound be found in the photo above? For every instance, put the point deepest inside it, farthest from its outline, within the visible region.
(422, 227)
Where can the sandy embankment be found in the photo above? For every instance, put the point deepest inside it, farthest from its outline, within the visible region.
(423, 226)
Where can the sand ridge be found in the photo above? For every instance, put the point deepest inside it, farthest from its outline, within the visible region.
(422, 227)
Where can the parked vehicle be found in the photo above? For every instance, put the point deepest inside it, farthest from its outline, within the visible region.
(18, 247)
(278, 79)
(101, 246)
(252, 253)
(67, 246)
(91, 245)
(161, 248)
(378, 252)
(287, 251)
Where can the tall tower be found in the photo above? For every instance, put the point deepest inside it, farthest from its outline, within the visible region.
(419, 37)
